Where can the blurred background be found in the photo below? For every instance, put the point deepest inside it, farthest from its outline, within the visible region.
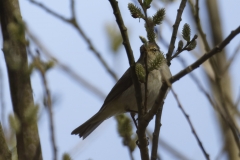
(74, 102)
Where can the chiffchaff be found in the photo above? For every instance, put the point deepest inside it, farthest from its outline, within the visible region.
(121, 98)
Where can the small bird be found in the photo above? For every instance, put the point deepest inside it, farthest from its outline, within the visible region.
(121, 98)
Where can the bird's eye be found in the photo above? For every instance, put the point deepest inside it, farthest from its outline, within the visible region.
(154, 50)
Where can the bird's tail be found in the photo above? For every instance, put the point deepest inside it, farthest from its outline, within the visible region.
(90, 125)
(86, 128)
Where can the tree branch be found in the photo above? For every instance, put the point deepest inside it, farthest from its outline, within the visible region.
(67, 70)
(4, 151)
(206, 56)
(232, 126)
(170, 149)
(230, 61)
(195, 13)
(73, 21)
(48, 103)
(156, 133)
(14, 49)
(184, 48)
(175, 30)
(143, 143)
(191, 125)
(186, 71)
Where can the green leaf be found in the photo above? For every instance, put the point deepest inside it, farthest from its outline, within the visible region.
(159, 16)
(186, 32)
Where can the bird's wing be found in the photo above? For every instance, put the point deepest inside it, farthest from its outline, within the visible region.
(123, 83)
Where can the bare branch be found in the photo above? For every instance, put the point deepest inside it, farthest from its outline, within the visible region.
(230, 61)
(175, 30)
(184, 48)
(51, 12)
(186, 71)
(50, 112)
(191, 125)
(206, 56)
(156, 133)
(232, 126)
(48, 104)
(170, 149)
(195, 13)
(72, 5)
(176, 153)
(4, 151)
(67, 70)
(143, 143)
(73, 21)
(15, 55)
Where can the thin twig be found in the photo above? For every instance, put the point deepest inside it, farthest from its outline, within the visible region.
(238, 100)
(169, 23)
(145, 60)
(206, 56)
(170, 149)
(230, 122)
(73, 21)
(176, 153)
(67, 70)
(187, 70)
(143, 143)
(215, 106)
(195, 13)
(175, 30)
(233, 105)
(184, 48)
(2, 98)
(146, 85)
(72, 6)
(191, 125)
(156, 133)
(232, 126)
(48, 105)
(230, 61)
(51, 12)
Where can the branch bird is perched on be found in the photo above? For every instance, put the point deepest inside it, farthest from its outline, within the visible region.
(121, 98)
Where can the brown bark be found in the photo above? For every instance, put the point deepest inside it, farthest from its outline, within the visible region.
(5, 154)
(28, 143)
